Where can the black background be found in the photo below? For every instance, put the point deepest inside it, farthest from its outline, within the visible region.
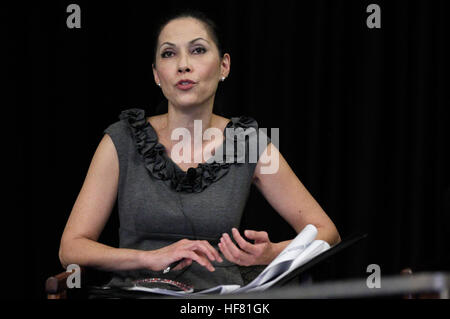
(363, 117)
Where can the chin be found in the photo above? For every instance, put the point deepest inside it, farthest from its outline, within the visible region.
(188, 102)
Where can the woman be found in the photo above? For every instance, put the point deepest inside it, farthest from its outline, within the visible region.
(175, 211)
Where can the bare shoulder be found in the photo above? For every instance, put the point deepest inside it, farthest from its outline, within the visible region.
(106, 155)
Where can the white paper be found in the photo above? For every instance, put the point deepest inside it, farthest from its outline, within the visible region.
(314, 249)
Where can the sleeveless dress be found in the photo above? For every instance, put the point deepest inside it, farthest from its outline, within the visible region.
(159, 203)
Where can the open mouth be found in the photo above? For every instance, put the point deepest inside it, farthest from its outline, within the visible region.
(185, 84)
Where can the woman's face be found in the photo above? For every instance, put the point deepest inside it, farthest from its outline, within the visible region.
(185, 51)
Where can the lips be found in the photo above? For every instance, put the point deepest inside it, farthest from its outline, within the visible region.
(185, 84)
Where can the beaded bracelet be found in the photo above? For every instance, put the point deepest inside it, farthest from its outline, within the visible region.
(180, 285)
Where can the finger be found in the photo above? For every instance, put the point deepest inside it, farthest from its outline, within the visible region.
(216, 253)
(199, 259)
(240, 256)
(186, 262)
(243, 244)
(257, 236)
(212, 250)
(204, 248)
(201, 245)
(233, 257)
(226, 253)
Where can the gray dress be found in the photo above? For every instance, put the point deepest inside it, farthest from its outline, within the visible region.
(159, 203)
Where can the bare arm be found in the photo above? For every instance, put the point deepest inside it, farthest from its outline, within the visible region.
(292, 200)
(90, 213)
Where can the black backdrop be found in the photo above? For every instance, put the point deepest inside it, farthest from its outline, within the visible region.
(363, 117)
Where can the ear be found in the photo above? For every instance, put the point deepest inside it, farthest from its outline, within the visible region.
(155, 74)
(225, 65)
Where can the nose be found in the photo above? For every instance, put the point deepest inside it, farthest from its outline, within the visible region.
(184, 69)
(183, 64)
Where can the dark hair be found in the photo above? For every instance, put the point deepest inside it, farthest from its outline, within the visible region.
(211, 27)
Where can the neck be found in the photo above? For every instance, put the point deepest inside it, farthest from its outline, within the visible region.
(185, 116)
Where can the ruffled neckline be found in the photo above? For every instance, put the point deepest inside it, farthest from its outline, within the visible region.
(162, 167)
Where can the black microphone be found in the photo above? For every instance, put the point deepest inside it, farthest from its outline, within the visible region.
(191, 174)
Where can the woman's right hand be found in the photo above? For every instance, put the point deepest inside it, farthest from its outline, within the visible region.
(200, 251)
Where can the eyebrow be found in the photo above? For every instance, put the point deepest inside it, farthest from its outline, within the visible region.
(190, 42)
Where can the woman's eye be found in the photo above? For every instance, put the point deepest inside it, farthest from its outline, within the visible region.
(166, 54)
(199, 50)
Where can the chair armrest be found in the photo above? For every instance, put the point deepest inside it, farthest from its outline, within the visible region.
(56, 286)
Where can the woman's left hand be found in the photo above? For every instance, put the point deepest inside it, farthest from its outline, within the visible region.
(261, 252)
